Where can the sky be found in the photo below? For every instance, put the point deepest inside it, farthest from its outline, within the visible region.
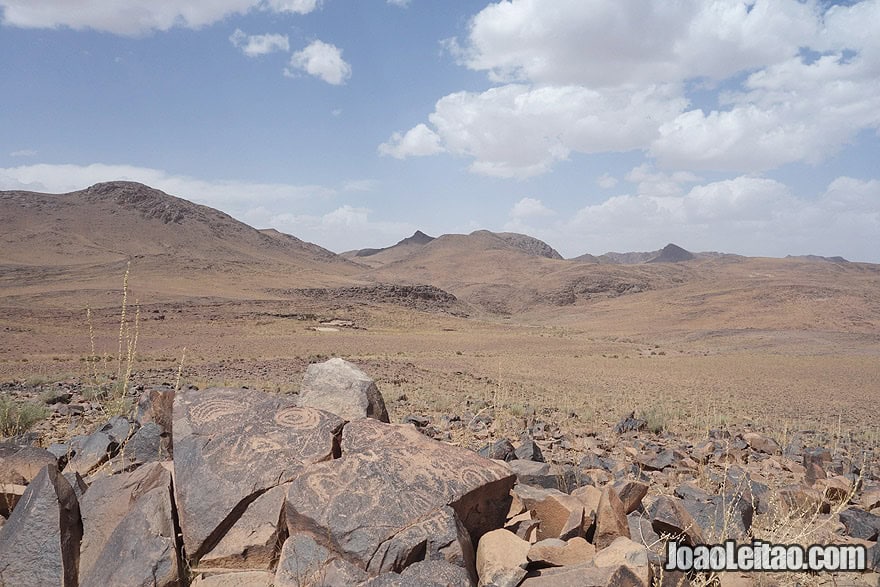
(595, 125)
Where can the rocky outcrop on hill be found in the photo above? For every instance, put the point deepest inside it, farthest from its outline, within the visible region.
(254, 489)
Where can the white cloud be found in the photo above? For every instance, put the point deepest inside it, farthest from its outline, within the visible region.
(529, 207)
(400, 3)
(606, 181)
(254, 45)
(23, 153)
(321, 60)
(793, 82)
(137, 17)
(746, 215)
(520, 131)
(417, 142)
(650, 182)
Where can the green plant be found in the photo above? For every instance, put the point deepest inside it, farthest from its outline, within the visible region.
(17, 417)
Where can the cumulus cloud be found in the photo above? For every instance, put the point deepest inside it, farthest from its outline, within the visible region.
(520, 131)
(254, 45)
(417, 142)
(137, 17)
(322, 60)
(787, 81)
(747, 215)
(529, 207)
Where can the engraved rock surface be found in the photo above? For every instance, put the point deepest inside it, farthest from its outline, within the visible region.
(232, 445)
(342, 389)
(383, 504)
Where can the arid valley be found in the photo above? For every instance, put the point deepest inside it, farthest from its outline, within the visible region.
(123, 281)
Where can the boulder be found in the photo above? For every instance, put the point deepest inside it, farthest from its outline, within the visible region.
(624, 551)
(233, 445)
(761, 443)
(871, 497)
(395, 497)
(142, 548)
(631, 493)
(669, 516)
(500, 450)
(10, 494)
(555, 552)
(529, 450)
(584, 575)
(39, 544)
(721, 517)
(20, 464)
(339, 387)
(800, 501)
(108, 501)
(657, 461)
(145, 446)
(502, 558)
(424, 574)
(90, 452)
(561, 515)
(611, 522)
(630, 424)
(860, 524)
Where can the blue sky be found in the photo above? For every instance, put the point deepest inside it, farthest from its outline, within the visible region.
(595, 125)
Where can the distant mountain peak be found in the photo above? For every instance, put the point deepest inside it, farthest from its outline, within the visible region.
(418, 238)
(672, 253)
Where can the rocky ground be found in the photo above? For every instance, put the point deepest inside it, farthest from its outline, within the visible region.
(231, 486)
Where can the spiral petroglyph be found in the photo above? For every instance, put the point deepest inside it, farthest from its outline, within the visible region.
(212, 409)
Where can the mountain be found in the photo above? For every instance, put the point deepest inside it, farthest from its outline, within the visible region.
(672, 254)
(390, 254)
(84, 238)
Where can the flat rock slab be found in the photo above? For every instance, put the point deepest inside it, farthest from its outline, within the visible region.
(232, 445)
(396, 497)
(20, 464)
(39, 544)
(341, 388)
(142, 549)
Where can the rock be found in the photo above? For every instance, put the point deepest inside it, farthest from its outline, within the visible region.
(536, 474)
(304, 563)
(10, 493)
(584, 575)
(611, 522)
(669, 516)
(561, 515)
(142, 548)
(690, 490)
(589, 496)
(156, 406)
(502, 558)
(555, 552)
(256, 537)
(396, 496)
(424, 574)
(871, 497)
(231, 446)
(119, 429)
(761, 443)
(243, 579)
(631, 494)
(20, 464)
(417, 421)
(835, 490)
(630, 424)
(145, 446)
(342, 389)
(640, 530)
(39, 543)
(860, 524)
(624, 551)
(500, 450)
(814, 461)
(657, 462)
(721, 517)
(798, 500)
(529, 450)
(90, 452)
